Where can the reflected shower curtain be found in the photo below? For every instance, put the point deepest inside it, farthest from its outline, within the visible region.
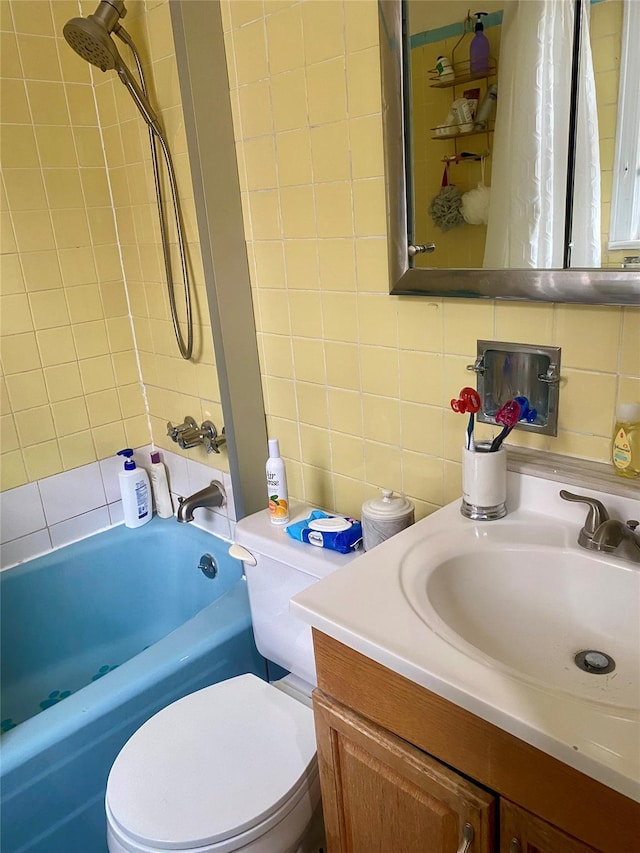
(528, 187)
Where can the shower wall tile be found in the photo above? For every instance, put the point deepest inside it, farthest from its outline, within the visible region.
(21, 512)
(63, 301)
(79, 527)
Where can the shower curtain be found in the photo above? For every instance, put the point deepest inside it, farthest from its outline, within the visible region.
(528, 188)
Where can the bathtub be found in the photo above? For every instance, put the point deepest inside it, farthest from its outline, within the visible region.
(97, 637)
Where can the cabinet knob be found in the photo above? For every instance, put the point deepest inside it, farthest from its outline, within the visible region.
(515, 846)
(467, 838)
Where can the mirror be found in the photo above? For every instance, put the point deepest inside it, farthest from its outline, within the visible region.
(422, 273)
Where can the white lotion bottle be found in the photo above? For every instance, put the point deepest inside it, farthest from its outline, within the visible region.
(135, 492)
(277, 485)
(160, 486)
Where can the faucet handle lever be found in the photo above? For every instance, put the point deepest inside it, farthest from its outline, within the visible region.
(595, 517)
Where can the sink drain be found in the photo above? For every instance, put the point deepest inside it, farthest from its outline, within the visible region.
(595, 662)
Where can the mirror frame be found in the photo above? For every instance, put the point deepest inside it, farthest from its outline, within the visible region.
(580, 286)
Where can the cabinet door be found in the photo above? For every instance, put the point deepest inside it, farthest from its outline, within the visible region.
(523, 832)
(382, 795)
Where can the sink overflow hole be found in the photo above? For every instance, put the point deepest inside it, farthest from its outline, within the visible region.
(595, 662)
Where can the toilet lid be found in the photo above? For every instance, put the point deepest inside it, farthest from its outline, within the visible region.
(212, 765)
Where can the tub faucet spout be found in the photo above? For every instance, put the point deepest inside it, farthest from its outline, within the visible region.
(211, 496)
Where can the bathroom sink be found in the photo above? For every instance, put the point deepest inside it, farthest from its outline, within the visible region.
(530, 608)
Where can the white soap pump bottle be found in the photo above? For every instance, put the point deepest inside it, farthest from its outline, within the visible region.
(135, 492)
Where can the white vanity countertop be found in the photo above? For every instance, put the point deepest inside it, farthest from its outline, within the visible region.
(365, 607)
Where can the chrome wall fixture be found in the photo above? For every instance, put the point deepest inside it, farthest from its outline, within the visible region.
(188, 434)
(507, 370)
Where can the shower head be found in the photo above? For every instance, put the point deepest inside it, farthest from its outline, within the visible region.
(90, 37)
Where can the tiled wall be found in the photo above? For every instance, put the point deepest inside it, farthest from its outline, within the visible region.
(174, 387)
(357, 383)
(57, 510)
(70, 387)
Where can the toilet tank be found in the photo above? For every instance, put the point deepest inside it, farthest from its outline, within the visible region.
(283, 568)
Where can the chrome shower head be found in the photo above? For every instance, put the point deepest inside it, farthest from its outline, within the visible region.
(90, 37)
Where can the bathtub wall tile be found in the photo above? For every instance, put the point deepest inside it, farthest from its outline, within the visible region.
(72, 493)
(21, 512)
(116, 513)
(177, 471)
(201, 475)
(212, 522)
(80, 527)
(109, 469)
(24, 548)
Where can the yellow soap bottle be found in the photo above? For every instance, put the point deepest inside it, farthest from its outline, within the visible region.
(625, 446)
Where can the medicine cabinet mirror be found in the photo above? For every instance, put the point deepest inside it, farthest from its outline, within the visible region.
(566, 255)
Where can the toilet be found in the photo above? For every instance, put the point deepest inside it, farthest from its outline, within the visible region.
(233, 767)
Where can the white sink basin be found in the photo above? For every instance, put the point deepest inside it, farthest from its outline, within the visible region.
(490, 616)
(529, 608)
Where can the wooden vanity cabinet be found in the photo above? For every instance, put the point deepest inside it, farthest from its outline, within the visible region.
(404, 770)
(380, 794)
(523, 832)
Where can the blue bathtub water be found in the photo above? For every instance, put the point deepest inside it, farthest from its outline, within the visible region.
(97, 637)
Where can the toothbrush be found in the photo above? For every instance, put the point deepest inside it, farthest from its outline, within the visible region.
(468, 401)
(508, 414)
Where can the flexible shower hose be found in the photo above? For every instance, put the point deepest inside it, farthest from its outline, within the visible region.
(185, 349)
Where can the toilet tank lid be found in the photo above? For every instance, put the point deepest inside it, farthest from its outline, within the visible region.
(257, 534)
(212, 765)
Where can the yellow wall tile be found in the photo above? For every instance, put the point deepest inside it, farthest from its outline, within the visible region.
(48, 103)
(8, 434)
(312, 404)
(49, 309)
(381, 419)
(343, 365)
(33, 17)
(70, 416)
(108, 439)
(284, 39)
(90, 339)
(26, 390)
(97, 374)
(19, 353)
(12, 470)
(298, 214)
(84, 300)
(323, 28)
(379, 371)
(15, 316)
(76, 450)
(33, 230)
(35, 426)
(585, 334)
(340, 316)
(305, 312)
(56, 346)
(327, 91)
(367, 154)
(334, 209)
(347, 453)
(308, 360)
(383, 466)
(125, 367)
(337, 264)
(25, 189)
(11, 280)
(63, 381)
(42, 460)
(330, 151)
(289, 100)
(103, 407)
(250, 53)
(294, 157)
(41, 271)
(255, 112)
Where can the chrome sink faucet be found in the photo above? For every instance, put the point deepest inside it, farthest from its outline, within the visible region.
(211, 496)
(605, 534)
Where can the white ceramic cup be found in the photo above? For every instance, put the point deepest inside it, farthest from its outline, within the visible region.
(484, 483)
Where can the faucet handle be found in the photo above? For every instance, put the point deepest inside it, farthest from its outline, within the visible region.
(595, 517)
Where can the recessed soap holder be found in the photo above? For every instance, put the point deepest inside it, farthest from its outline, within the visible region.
(506, 370)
